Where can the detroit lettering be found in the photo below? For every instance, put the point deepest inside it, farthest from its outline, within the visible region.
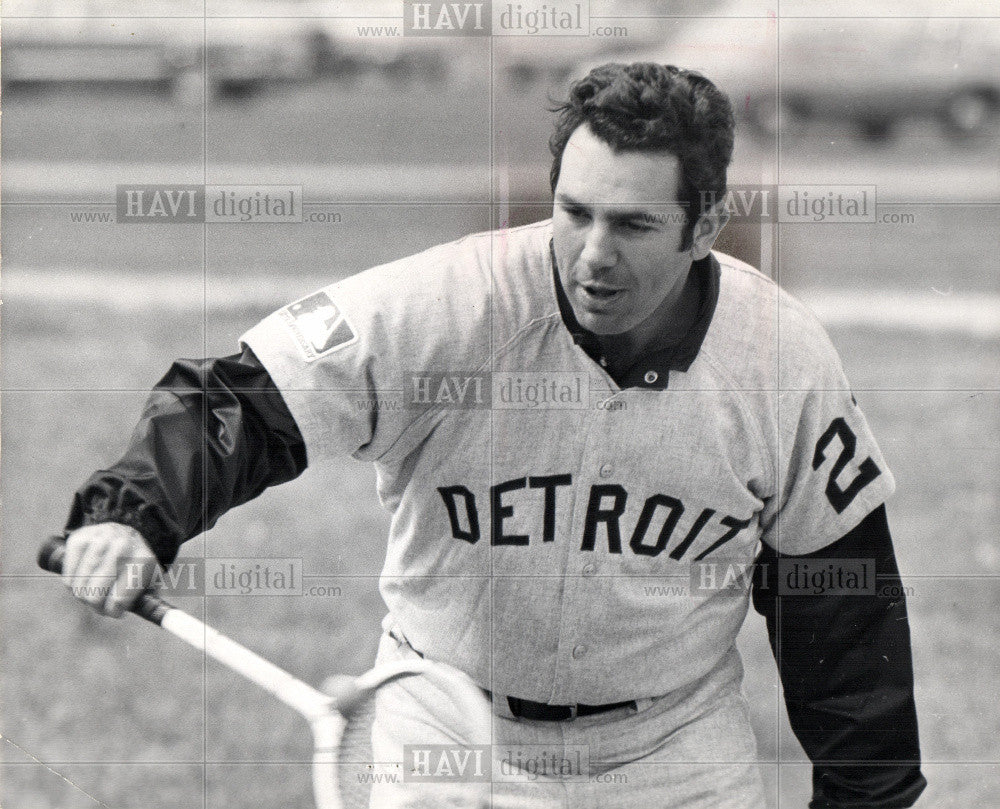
(607, 504)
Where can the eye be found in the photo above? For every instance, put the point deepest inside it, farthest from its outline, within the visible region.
(577, 213)
(638, 226)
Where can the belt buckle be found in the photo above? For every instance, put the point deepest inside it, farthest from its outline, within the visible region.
(574, 709)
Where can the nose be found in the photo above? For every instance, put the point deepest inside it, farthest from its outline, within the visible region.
(599, 249)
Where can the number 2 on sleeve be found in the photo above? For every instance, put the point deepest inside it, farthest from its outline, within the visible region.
(840, 498)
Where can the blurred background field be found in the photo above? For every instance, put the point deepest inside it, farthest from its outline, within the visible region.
(94, 311)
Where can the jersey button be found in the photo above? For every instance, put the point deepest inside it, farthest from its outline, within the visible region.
(589, 569)
(579, 650)
(606, 471)
(651, 377)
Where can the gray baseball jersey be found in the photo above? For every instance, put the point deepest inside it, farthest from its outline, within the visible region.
(556, 536)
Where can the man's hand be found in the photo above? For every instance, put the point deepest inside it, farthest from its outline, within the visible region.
(108, 566)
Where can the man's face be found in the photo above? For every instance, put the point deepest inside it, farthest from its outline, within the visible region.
(617, 232)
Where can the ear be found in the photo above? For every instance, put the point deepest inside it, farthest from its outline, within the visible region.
(707, 229)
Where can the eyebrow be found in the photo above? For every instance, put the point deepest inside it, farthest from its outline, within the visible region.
(616, 216)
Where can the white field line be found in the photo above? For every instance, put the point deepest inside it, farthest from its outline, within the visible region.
(52, 181)
(72, 181)
(973, 314)
(152, 290)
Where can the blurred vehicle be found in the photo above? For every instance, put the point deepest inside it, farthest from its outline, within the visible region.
(529, 60)
(877, 73)
(872, 73)
(374, 41)
(358, 45)
(83, 42)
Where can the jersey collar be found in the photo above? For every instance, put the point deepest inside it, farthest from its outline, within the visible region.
(652, 369)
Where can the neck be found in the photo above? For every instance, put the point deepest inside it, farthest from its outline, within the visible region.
(668, 323)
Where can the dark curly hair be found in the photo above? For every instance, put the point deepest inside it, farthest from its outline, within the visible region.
(650, 107)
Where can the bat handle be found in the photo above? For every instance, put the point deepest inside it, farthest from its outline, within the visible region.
(149, 605)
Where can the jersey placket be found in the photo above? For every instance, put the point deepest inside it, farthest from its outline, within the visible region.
(595, 465)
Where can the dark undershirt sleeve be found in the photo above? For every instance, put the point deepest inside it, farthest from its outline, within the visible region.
(214, 434)
(847, 674)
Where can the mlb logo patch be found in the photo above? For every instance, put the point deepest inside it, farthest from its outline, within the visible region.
(318, 326)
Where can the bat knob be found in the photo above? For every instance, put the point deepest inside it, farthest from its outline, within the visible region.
(50, 555)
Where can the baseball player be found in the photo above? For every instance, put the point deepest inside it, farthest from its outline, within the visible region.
(565, 418)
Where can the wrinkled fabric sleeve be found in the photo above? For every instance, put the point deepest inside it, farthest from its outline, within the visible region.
(214, 434)
(846, 669)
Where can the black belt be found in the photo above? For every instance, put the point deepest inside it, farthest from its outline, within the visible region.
(542, 712)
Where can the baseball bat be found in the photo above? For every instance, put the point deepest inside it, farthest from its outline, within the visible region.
(316, 707)
(290, 690)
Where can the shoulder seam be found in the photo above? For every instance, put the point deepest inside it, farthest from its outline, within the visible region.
(748, 414)
(753, 272)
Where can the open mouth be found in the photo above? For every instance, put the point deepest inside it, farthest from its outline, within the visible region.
(600, 292)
